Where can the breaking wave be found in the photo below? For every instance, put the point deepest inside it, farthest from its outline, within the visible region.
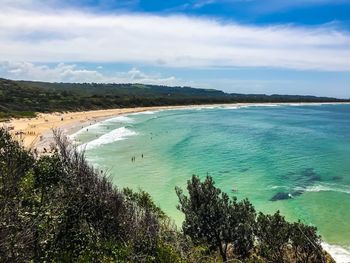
(327, 188)
(144, 113)
(122, 118)
(90, 127)
(112, 136)
(340, 254)
(96, 126)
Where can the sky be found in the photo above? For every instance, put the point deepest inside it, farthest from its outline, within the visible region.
(239, 46)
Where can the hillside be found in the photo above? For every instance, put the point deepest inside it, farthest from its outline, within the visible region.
(24, 98)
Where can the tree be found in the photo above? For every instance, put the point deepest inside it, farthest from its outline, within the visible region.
(273, 235)
(242, 224)
(215, 219)
(306, 244)
(15, 225)
(280, 241)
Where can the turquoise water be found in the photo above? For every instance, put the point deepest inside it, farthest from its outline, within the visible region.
(303, 151)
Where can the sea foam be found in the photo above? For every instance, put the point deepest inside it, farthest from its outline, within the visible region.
(231, 107)
(98, 125)
(339, 254)
(124, 119)
(112, 136)
(236, 107)
(144, 112)
(327, 188)
(94, 126)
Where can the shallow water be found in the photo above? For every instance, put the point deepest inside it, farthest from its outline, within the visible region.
(300, 152)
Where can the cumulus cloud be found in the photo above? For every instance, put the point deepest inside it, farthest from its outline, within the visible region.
(174, 41)
(72, 73)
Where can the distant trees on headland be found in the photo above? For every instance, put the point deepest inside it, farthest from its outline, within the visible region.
(25, 98)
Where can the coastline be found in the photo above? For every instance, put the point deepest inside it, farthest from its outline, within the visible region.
(36, 133)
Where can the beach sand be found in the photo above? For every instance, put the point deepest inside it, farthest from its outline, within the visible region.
(37, 132)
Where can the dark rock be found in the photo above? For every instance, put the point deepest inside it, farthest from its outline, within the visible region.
(308, 172)
(337, 178)
(297, 193)
(315, 177)
(311, 175)
(280, 196)
(289, 175)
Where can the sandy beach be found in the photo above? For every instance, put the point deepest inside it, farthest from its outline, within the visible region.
(36, 133)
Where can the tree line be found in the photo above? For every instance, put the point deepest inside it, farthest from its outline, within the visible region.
(25, 98)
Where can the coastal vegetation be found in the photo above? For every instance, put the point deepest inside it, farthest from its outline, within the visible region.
(26, 98)
(58, 208)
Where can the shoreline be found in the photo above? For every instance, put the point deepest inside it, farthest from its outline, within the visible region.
(36, 133)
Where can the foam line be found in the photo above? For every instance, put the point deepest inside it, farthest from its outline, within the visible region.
(110, 137)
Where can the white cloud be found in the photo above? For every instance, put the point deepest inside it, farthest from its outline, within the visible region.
(72, 73)
(175, 41)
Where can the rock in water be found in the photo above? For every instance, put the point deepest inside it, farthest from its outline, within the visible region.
(297, 193)
(280, 196)
(337, 178)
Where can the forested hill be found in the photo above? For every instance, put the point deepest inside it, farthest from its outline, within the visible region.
(24, 98)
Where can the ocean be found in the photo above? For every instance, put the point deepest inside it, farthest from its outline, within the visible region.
(294, 158)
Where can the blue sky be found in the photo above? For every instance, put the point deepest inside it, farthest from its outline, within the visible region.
(310, 12)
(246, 46)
